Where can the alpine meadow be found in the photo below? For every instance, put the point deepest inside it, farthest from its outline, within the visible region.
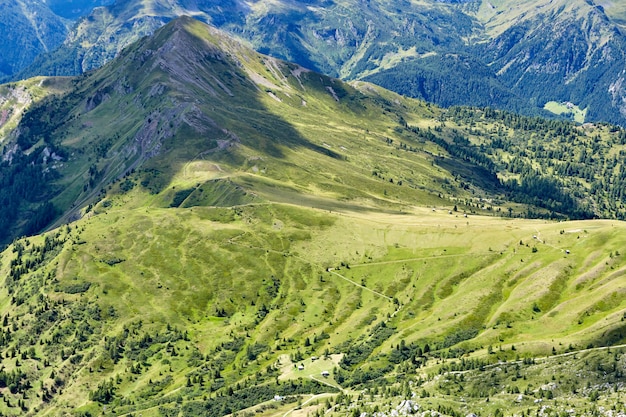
(198, 229)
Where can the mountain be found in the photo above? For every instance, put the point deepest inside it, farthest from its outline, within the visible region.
(100, 36)
(238, 234)
(573, 47)
(451, 53)
(27, 28)
(73, 9)
(101, 126)
(30, 28)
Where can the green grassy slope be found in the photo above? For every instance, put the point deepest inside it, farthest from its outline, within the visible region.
(189, 99)
(178, 305)
(16, 98)
(235, 216)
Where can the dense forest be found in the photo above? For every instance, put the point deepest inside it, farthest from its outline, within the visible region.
(435, 79)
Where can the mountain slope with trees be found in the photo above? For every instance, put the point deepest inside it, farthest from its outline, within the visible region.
(238, 234)
(28, 28)
(73, 9)
(101, 126)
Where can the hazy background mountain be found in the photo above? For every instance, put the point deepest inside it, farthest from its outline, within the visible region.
(518, 56)
(27, 29)
(564, 51)
(72, 9)
(99, 37)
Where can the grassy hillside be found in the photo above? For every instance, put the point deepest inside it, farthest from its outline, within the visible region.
(207, 310)
(191, 94)
(237, 234)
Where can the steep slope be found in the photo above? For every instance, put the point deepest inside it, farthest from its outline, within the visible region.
(73, 9)
(573, 47)
(17, 98)
(27, 29)
(348, 39)
(615, 11)
(23, 174)
(99, 37)
(224, 96)
(178, 96)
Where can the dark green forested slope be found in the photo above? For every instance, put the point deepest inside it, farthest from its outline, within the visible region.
(554, 164)
(27, 28)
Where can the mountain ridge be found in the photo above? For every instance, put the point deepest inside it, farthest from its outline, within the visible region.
(497, 48)
(118, 118)
(249, 236)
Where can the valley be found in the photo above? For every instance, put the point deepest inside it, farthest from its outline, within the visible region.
(510, 56)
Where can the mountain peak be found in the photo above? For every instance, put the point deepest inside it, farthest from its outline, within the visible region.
(185, 52)
(187, 90)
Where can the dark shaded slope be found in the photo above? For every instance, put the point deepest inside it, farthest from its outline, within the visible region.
(556, 57)
(187, 92)
(27, 29)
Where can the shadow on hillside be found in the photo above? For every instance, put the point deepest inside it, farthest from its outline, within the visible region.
(614, 336)
(200, 105)
(235, 112)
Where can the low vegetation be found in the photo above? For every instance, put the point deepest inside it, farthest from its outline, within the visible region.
(209, 310)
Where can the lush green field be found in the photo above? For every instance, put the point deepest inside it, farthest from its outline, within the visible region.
(177, 305)
(569, 110)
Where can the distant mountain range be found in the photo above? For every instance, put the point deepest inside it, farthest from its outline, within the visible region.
(73, 9)
(29, 28)
(517, 56)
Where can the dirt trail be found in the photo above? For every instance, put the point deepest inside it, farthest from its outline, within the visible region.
(541, 359)
(331, 270)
